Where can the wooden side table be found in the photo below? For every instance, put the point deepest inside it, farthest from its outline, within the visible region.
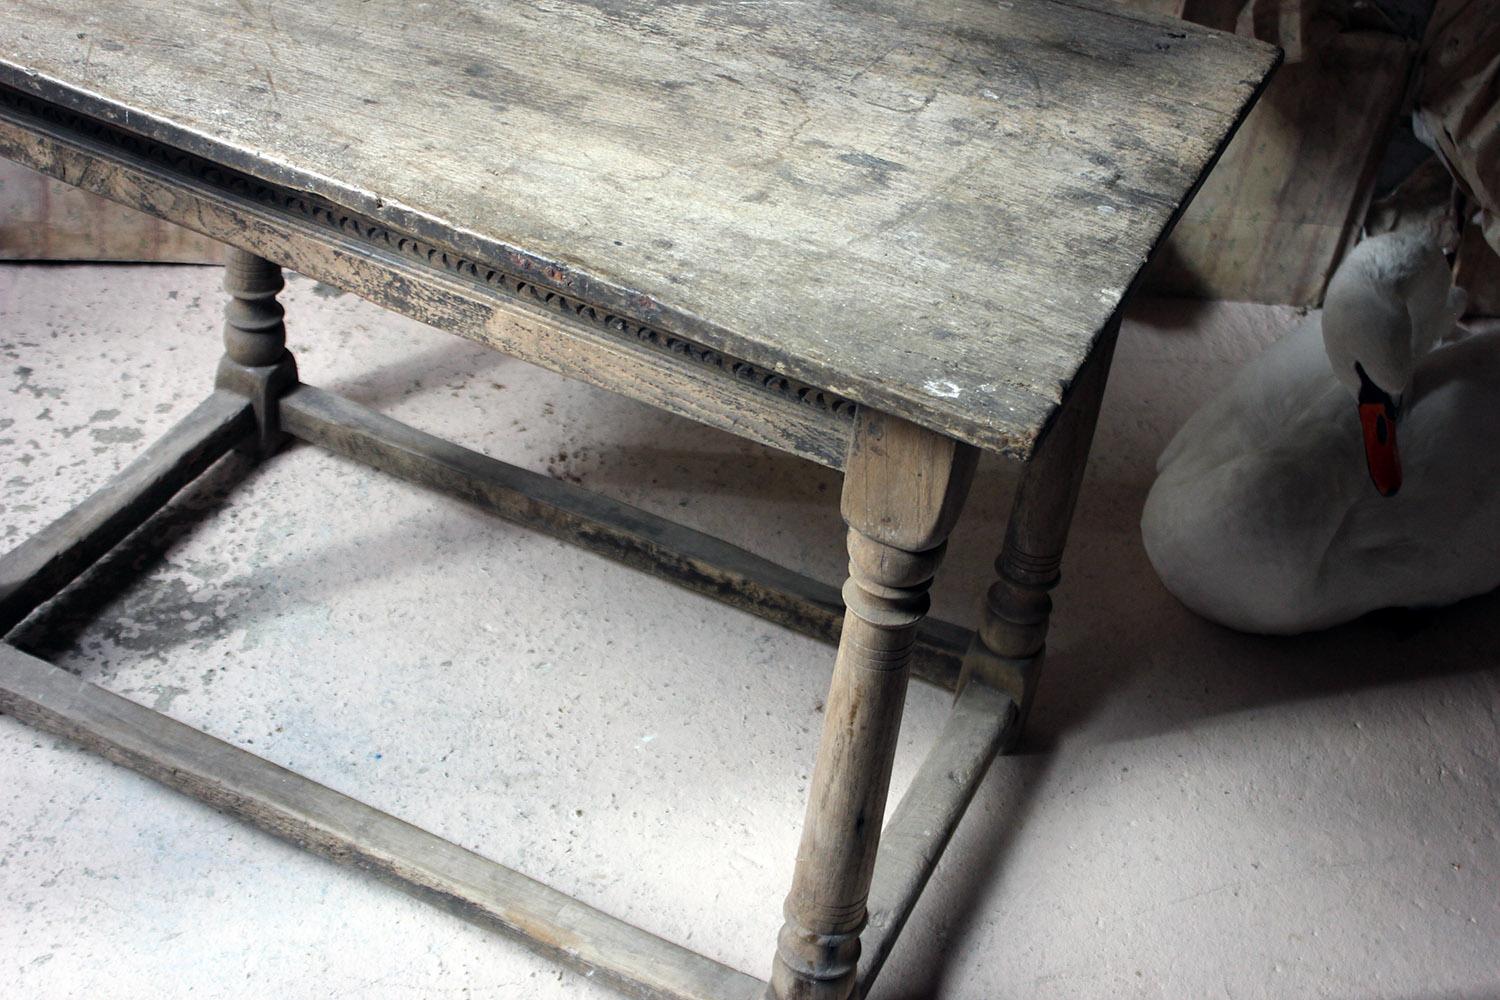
(879, 234)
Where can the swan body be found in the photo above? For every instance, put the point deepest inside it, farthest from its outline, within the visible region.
(1264, 517)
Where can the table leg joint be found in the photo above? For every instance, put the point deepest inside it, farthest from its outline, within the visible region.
(262, 387)
(256, 363)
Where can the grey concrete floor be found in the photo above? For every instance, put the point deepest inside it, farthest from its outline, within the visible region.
(1195, 813)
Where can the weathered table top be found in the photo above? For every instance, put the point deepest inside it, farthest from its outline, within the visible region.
(930, 207)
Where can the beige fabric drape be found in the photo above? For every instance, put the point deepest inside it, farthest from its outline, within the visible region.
(1458, 101)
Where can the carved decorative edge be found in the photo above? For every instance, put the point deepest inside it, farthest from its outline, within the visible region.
(492, 277)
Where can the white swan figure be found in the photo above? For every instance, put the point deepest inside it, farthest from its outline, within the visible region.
(1284, 504)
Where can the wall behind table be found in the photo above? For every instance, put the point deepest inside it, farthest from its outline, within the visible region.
(43, 219)
(1288, 197)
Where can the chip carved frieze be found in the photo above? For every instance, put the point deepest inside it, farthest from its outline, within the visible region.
(329, 216)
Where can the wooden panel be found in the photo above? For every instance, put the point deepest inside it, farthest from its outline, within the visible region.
(41, 219)
(1279, 210)
(931, 208)
(342, 829)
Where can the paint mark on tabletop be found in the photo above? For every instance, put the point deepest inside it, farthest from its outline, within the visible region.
(880, 168)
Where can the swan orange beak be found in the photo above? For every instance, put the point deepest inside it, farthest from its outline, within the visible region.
(1381, 456)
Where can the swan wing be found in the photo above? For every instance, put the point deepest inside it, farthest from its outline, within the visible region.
(1259, 408)
(1433, 304)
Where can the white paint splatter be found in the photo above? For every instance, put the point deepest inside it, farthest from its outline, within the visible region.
(943, 388)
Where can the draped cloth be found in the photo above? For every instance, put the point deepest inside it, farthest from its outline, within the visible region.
(1458, 101)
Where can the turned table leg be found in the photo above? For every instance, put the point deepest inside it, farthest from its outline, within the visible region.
(903, 489)
(256, 363)
(1008, 649)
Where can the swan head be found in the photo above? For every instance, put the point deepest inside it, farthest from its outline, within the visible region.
(1386, 306)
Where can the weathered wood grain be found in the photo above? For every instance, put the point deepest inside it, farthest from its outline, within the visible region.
(342, 829)
(917, 219)
(926, 817)
(1009, 647)
(635, 537)
(417, 280)
(903, 489)
(931, 208)
(45, 563)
